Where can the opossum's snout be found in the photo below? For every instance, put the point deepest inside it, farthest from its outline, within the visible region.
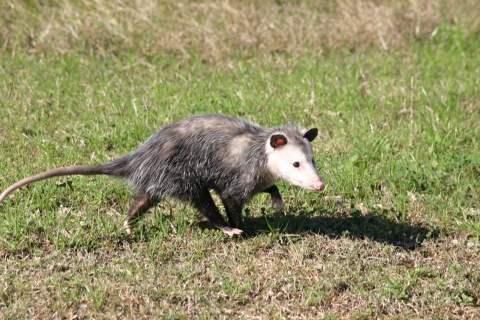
(305, 176)
(318, 186)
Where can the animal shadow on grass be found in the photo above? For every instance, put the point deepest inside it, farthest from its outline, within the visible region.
(379, 226)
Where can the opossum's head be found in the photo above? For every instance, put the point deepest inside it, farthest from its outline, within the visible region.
(290, 158)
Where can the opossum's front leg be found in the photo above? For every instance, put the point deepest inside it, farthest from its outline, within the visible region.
(277, 201)
(205, 205)
(140, 205)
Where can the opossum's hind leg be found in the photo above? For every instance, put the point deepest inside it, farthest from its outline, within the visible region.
(141, 203)
(234, 210)
(277, 201)
(205, 205)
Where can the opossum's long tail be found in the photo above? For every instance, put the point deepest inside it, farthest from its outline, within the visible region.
(63, 171)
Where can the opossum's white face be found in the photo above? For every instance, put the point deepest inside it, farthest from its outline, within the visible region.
(294, 162)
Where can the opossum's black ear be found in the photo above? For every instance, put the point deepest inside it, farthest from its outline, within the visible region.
(278, 140)
(311, 134)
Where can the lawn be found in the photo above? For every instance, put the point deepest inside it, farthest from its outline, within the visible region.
(392, 86)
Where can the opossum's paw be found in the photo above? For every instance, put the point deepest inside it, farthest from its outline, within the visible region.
(230, 231)
(278, 204)
(126, 225)
(204, 225)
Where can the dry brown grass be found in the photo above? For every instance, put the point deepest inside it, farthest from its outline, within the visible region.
(218, 29)
(307, 278)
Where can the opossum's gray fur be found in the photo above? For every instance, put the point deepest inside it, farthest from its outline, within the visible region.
(183, 158)
(187, 158)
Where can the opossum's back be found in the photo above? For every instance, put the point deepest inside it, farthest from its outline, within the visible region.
(186, 154)
(200, 134)
(215, 125)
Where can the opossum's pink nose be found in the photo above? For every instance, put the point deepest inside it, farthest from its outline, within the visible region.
(319, 186)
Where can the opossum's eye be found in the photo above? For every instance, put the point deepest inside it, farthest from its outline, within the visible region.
(313, 161)
(296, 164)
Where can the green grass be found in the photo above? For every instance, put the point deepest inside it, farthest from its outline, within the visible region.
(394, 235)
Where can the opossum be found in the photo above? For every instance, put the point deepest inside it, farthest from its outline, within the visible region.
(188, 158)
